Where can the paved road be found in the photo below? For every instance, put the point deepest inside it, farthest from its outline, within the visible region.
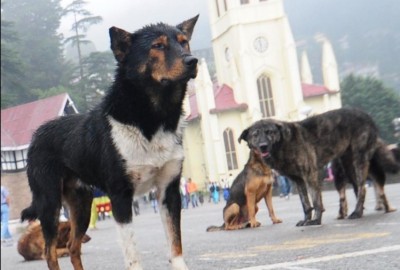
(370, 243)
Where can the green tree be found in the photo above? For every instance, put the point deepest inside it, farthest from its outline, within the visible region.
(98, 70)
(83, 19)
(372, 96)
(40, 46)
(12, 69)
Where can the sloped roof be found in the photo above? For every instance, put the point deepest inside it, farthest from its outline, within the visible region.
(224, 101)
(312, 90)
(194, 111)
(18, 123)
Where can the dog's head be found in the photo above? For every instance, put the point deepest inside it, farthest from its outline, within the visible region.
(263, 135)
(158, 51)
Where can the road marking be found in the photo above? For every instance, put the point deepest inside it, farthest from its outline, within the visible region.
(314, 242)
(324, 259)
(302, 243)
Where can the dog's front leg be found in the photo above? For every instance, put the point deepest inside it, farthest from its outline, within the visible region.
(170, 212)
(251, 207)
(305, 202)
(122, 212)
(315, 192)
(270, 207)
(126, 235)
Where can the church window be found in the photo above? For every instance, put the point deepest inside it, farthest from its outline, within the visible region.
(243, 2)
(265, 96)
(230, 149)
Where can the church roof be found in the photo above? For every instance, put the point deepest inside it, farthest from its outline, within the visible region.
(313, 90)
(194, 111)
(19, 123)
(224, 101)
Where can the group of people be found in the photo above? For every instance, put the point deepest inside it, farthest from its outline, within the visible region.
(215, 189)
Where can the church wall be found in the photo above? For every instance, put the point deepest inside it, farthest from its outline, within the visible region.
(194, 165)
(232, 120)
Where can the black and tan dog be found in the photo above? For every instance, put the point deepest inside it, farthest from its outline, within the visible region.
(251, 185)
(31, 243)
(384, 160)
(129, 143)
(300, 149)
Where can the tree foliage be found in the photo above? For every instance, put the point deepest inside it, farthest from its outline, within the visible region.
(83, 19)
(39, 46)
(98, 74)
(372, 96)
(13, 88)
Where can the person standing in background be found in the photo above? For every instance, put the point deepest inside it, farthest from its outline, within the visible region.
(192, 190)
(184, 194)
(153, 199)
(6, 238)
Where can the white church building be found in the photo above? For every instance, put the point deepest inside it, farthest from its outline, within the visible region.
(259, 75)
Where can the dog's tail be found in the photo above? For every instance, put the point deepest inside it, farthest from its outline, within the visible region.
(29, 213)
(387, 159)
(216, 228)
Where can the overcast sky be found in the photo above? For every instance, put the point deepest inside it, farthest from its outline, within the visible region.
(131, 15)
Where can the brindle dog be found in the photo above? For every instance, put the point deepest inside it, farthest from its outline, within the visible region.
(251, 185)
(299, 149)
(383, 161)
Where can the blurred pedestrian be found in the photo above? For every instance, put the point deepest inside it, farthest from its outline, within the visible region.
(153, 199)
(184, 193)
(192, 190)
(6, 238)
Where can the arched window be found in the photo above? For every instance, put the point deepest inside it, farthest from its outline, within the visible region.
(266, 98)
(230, 149)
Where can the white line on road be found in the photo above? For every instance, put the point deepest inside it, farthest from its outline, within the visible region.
(324, 259)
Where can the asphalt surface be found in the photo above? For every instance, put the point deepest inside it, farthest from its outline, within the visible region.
(369, 243)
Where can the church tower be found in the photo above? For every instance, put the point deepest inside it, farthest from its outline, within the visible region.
(255, 54)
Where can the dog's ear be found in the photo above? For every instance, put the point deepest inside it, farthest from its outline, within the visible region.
(120, 43)
(187, 26)
(284, 130)
(244, 135)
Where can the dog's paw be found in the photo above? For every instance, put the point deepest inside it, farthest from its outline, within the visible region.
(178, 263)
(340, 216)
(254, 224)
(301, 223)
(355, 215)
(276, 221)
(390, 209)
(312, 222)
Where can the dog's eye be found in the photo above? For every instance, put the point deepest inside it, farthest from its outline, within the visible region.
(183, 43)
(158, 46)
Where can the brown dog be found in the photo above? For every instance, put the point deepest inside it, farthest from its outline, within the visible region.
(31, 243)
(252, 184)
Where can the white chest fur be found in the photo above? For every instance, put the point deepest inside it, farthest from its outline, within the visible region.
(148, 163)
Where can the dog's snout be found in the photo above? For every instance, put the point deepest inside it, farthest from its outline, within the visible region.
(263, 147)
(190, 61)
